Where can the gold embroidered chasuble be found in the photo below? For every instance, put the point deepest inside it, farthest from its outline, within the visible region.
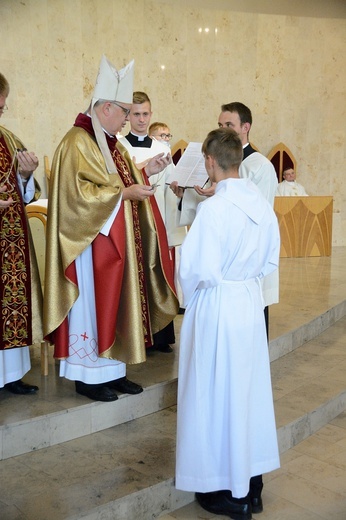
(20, 286)
(141, 297)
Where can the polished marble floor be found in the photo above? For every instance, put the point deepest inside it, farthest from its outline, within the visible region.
(310, 485)
(308, 288)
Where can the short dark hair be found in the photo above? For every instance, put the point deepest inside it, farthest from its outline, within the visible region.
(287, 168)
(140, 97)
(244, 112)
(225, 146)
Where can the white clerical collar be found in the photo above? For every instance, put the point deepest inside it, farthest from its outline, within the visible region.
(245, 145)
(139, 137)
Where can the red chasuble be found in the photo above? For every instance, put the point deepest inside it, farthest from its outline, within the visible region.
(15, 280)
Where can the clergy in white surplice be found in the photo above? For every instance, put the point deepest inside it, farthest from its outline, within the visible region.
(226, 431)
(289, 187)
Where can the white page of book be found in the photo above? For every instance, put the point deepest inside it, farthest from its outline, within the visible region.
(190, 170)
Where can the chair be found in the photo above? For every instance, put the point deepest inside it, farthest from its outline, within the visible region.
(47, 171)
(37, 215)
(177, 150)
(281, 157)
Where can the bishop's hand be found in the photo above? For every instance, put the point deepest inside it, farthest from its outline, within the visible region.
(138, 192)
(157, 164)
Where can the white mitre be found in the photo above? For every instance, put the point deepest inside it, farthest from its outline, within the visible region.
(111, 85)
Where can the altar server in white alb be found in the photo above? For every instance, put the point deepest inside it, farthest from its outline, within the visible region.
(226, 431)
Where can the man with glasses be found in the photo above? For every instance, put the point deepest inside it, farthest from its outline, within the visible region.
(142, 147)
(20, 287)
(109, 286)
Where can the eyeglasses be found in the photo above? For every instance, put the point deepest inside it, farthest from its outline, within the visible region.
(125, 110)
(165, 136)
(3, 109)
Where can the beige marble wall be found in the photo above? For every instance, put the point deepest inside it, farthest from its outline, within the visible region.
(190, 57)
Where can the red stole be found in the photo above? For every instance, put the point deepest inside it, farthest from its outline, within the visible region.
(15, 280)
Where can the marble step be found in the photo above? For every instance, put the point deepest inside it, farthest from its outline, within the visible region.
(127, 471)
(306, 328)
(57, 414)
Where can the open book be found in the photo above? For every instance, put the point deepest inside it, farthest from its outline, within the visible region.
(190, 169)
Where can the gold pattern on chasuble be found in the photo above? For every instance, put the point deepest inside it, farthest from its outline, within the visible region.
(15, 278)
(127, 179)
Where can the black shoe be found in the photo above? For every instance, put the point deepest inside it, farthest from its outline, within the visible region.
(96, 392)
(163, 347)
(124, 386)
(257, 505)
(20, 388)
(222, 503)
(256, 486)
(167, 349)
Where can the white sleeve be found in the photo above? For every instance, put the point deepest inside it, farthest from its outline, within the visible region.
(280, 191)
(175, 233)
(107, 226)
(200, 255)
(26, 187)
(261, 172)
(187, 207)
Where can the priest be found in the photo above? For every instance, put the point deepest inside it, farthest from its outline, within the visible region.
(20, 287)
(289, 187)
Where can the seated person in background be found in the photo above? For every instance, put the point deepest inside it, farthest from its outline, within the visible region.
(160, 132)
(289, 187)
